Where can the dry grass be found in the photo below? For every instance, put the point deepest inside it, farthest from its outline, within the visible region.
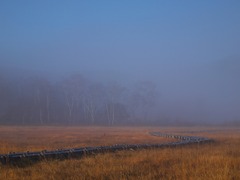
(18, 139)
(220, 160)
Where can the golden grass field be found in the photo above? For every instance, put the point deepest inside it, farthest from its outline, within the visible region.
(218, 160)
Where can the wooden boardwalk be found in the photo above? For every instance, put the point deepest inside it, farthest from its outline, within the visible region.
(16, 158)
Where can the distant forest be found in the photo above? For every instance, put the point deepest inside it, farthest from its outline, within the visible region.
(75, 100)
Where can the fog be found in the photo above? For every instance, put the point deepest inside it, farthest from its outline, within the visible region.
(120, 63)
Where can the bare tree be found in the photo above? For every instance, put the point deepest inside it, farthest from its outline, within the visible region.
(93, 99)
(41, 96)
(114, 92)
(144, 97)
(74, 89)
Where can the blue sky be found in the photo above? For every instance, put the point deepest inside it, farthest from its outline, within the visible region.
(114, 35)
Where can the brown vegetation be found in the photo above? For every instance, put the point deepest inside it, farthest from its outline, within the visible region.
(35, 138)
(220, 160)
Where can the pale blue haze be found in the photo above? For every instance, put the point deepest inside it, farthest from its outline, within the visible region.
(190, 49)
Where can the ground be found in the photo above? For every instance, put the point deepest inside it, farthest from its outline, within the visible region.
(218, 160)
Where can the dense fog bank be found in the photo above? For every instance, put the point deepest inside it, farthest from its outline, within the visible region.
(120, 62)
(31, 98)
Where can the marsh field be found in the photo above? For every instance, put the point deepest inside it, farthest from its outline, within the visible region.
(218, 160)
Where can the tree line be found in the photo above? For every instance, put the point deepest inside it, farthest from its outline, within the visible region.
(74, 100)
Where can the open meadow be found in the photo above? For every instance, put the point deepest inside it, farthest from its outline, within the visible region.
(218, 160)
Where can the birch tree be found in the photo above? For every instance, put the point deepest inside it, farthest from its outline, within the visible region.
(144, 97)
(74, 88)
(114, 93)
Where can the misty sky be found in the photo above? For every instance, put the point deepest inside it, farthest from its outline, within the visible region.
(190, 49)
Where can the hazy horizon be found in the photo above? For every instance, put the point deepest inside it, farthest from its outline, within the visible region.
(188, 49)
